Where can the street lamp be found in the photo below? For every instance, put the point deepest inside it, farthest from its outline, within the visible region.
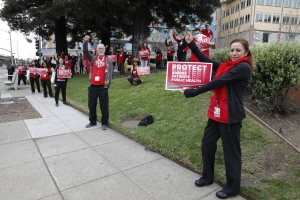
(11, 54)
(17, 46)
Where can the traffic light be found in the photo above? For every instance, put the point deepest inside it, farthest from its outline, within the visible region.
(37, 44)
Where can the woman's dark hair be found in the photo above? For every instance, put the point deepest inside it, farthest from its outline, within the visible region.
(245, 44)
(62, 59)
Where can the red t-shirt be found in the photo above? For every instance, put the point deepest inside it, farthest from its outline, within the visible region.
(207, 33)
(33, 75)
(98, 74)
(129, 58)
(203, 45)
(135, 73)
(46, 76)
(158, 56)
(68, 63)
(146, 57)
(121, 57)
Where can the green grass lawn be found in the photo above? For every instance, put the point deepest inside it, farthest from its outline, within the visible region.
(178, 130)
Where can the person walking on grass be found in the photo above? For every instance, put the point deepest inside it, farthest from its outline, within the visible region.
(60, 84)
(225, 113)
(100, 79)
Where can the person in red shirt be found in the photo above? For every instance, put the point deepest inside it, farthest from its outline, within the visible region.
(158, 58)
(121, 59)
(171, 50)
(207, 32)
(34, 78)
(134, 77)
(45, 80)
(129, 58)
(60, 84)
(145, 57)
(87, 63)
(21, 73)
(68, 62)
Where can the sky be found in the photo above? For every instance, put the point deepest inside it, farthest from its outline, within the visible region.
(19, 43)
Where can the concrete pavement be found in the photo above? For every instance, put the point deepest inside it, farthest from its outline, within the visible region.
(56, 158)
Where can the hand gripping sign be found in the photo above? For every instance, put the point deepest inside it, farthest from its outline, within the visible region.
(63, 73)
(187, 74)
(113, 58)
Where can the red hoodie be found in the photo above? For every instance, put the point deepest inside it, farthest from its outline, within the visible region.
(68, 63)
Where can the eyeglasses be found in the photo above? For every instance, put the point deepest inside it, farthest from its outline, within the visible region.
(101, 48)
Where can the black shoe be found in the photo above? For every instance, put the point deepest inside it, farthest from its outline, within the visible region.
(201, 183)
(51, 96)
(223, 195)
(33, 92)
(90, 125)
(56, 104)
(45, 96)
(65, 103)
(40, 92)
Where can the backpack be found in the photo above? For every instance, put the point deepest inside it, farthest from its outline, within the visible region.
(146, 121)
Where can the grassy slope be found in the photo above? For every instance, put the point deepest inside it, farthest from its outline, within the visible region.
(179, 126)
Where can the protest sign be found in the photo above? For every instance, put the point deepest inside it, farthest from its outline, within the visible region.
(63, 73)
(113, 57)
(143, 70)
(143, 53)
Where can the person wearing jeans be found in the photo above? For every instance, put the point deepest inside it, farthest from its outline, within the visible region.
(145, 58)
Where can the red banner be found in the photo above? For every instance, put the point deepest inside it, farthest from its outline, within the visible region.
(113, 57)
(144, 53)
(143, 70)
(22, 68)
(63, 73)
(171, 48)
(187, 74)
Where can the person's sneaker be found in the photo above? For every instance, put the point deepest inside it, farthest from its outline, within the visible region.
(40, 92)
(52, 96)
(26, 86)
(56, 104)
(18, 87)
(45, 96)
(65, 103)
(90, 125)
(104, 127)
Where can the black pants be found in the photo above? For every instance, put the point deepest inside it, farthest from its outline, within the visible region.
(21, 77)
(81, 68)
(158, 64)
(121, 68)
(232, 154)
(9, 77)
(132, 80)
(170, 58)
(60, 85)
(181, 57)
(35, 80)
(94, 94)
(46, 84)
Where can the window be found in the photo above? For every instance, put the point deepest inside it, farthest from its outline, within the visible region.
(285, 19)
(276, 19)
(294, 20)
(265, 38)
(236, 22)
(292, 38)
(277, 3)
(287, 3)
(242, 5)
(269, 2)
(237, 7)
(227, 12)
(231, 24)
(296, 3)
(224, 14)
(223, 27)
(247, 18)
(260, 2)
(232, 10)
(226, 26)
(267, 18)
(242, 20)
(258, 17)
(248, 3)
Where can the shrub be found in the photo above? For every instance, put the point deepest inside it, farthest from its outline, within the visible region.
(220, 55)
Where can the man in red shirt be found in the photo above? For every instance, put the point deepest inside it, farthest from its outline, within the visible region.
(68, 62)
(158, 58)
(121, 60)
(207, 32)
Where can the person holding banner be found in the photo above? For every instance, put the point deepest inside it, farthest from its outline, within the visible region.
(21, 74)
(134, 77)
(100, 79)
(45, 79)
(144, 53)
(171, 50)
(225, 113)
(182, 47)
(34, 77)
(60, 83)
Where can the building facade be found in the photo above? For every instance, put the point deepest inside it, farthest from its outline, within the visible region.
(258, 21)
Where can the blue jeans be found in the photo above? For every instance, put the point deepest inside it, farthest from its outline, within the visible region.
(144, 63)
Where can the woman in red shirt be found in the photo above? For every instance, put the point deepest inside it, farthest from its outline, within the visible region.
(158, 58)
(45, 80)
(34, 78)
(134, 77)
(171, 50)
(121, 60)
(144, 57)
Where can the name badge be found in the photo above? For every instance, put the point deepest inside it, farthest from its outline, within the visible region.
(217, 112)
(44, 75)
(97, 78)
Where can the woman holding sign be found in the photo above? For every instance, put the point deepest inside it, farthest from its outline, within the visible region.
(34, 77)
(144, 53)
(45, 79)
(225, 113)
(60, 83)
(171, 50)
(134, 77)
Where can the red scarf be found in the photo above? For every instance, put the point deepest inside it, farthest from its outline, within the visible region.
(219, 98)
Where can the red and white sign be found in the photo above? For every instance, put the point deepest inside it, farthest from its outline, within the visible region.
(42, 71)
(63, 73)
(187, 74)
(143, 70)
(33, 70)
(21, 68)
(113, 57)
(143, 53)
(171, 48)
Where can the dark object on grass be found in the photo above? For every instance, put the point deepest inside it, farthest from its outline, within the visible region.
(146, 121)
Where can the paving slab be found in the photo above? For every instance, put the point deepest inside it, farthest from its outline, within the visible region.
(212, 196)
(13, 132)
(116, 186)
(60, 144)
(26, 181)
(97, 136)
(164, 179)
(18, 153)
(79, 167)
(52, 197)
(126, 154)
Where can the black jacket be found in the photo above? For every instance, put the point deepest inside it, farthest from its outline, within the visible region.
(236, 80)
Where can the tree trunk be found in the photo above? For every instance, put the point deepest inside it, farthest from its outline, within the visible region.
(105, 39)
(61, 36)
(140, 29)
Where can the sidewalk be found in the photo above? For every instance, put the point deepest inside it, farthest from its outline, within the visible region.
(56, 158)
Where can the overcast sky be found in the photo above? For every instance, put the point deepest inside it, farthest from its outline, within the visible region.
(25, 49)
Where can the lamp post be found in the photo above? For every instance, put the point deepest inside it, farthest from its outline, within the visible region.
(11, 54)
(17, 46)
